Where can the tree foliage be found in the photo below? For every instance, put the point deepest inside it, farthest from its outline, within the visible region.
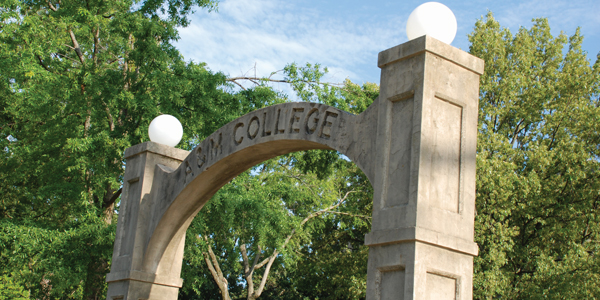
(538, 165)
(10, 290)
(79, 83)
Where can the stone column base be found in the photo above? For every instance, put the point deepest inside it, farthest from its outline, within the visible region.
(137, 285)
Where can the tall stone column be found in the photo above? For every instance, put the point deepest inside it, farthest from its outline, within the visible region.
(421, 244)
(127, 278)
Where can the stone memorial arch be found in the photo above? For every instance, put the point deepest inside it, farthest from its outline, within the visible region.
(416, 144)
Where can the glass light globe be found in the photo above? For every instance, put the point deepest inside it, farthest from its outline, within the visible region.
(433, 19)
(166, 130)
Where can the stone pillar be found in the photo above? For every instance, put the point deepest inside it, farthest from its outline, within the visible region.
(127, 278)
(421, 243)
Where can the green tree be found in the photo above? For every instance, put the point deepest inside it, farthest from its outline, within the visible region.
(538, 165)
(79, 83)
(257, 223)
(10, 290)
(334, 264)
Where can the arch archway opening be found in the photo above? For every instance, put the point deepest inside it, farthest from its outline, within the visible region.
(282, 220)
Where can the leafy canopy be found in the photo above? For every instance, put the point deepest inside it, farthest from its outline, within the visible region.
(538, 165)
(79, 83)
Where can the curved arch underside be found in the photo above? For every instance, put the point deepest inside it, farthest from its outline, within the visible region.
(236, 147)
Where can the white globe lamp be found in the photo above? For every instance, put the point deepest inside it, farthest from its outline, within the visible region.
(166, 130)
(433, 19)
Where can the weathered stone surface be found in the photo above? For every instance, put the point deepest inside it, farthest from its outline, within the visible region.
(416, 144)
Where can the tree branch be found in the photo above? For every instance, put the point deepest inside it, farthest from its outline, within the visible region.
(111, 121)
(52, 6)
(109, 201)
(256, 258)
(76, 46)
(216, 271)
(311, 187)
(273, 73)
(263, 281)
(315, 214)
(247, 271)
(243, 88)
(256, 80)
(42, 63)
(272, 257)
(214, 259)
(60, 54)
(516, 131)
(348, 214)
(211, 268)
(262, 263)
(96, 46)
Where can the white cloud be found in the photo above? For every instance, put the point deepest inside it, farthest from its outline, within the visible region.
(346, 35)
(272, 33)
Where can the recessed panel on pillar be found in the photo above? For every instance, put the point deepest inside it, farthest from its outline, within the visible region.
(440, 287)
(133, 192)
(391, 284)
(446, 121)
(400, 115)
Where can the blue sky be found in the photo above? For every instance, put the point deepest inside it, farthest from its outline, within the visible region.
(246, 37)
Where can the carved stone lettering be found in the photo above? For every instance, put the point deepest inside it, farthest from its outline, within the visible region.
(279, 128)
(189, 175)
(299, 119)
(328, 120)
(238, 138)
(312, 121)
(253, 127)
(215, 147)
(265, 132)
(295, 119)
(200, 157)
(188, 169)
